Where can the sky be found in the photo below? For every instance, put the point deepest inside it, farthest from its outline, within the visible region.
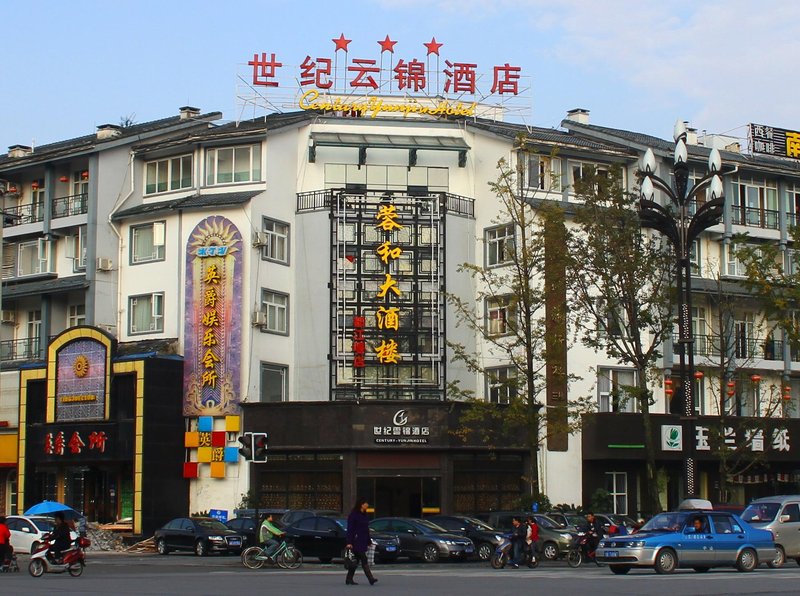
(69, 66)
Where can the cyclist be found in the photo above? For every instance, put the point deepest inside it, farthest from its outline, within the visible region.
(268, 535)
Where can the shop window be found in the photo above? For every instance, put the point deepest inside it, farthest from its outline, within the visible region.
(499, 245)
(168, 174)
(146, 313)
(274, 383)
(617, 487)
(276, 245)
(233, 165)
(275, 305)
(147, 242)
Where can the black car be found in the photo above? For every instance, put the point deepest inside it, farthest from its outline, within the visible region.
(203, 535)
(423, 539)
(247, 527)
(485, 537)
(325, 538)
(294, 515)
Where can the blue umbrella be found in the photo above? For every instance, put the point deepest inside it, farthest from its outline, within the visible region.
(48, 507)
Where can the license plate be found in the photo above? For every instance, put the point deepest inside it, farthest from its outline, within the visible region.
(391, 549)
(234, 543)
(469, 549)
(611, 553)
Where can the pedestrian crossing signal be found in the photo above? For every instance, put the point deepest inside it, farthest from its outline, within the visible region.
(260, 444)
(246, 450)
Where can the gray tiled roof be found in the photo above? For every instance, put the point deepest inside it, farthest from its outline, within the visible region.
(43, 286)
(197, 201)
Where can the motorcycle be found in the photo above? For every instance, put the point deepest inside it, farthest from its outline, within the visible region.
(502, 555)
(72, 560)
(579, 550)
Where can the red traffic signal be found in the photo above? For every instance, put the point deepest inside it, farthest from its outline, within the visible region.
(260, 444)
(246, 450)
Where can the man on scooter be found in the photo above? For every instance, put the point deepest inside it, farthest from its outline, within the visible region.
(60, 537)
(518, 534)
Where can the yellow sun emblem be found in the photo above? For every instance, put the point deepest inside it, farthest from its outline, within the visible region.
(81, 366)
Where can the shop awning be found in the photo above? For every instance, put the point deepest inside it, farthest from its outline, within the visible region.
(8, 450)
(46, 286)
(341, 139)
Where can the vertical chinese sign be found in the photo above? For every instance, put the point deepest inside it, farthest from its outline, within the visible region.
(212, 356)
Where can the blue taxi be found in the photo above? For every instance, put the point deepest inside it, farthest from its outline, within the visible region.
(695, 537)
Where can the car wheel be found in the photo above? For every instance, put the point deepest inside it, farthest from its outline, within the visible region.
(200, 548)
(430, 553)
(550, 551)
(666, 561)
(35, 546)
(701, 569)
(161, 547)
(747, 560)
(485, 551)
(620, 569)
(780, 558)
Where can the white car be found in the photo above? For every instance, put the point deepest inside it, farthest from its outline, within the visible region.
(27, 531)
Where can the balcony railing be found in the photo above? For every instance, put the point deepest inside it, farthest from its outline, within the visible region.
(19, 349)
(756, 217)
(71, 205)
(323, 199)
(709, 346)
(23, 214)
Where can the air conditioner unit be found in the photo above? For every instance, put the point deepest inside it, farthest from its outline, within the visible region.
(104, 264)
(8, 316)
(259, 318)
(259, 239)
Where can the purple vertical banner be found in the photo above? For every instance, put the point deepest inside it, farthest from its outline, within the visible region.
(213, 331)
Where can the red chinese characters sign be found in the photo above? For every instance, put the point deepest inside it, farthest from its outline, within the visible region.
(74, 442)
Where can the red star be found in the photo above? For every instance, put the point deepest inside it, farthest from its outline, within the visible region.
(387, 45)
(341, 43)
(433, 47)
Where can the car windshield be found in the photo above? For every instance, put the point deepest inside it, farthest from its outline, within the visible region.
(576, 520)
(211, 524)
(478, 524)
(545, 522)
(44, 524)
(430, 526)
(665, 522)
(622, 520)
(342, 523)
(761, 512)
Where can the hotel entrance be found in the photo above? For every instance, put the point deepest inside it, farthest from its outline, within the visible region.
(402, 496)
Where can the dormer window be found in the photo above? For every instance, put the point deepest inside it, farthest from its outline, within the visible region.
(232, 165)
(167, 175)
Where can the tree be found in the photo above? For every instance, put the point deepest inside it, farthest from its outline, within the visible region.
(513, 333)
(621, 290)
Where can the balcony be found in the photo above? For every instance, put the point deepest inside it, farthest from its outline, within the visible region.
(34, 212)
(709, 347)
(70, 205)
(19, 349)
(320, 200)
(755, 217)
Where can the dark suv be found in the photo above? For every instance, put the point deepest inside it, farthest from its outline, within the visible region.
(485, 537)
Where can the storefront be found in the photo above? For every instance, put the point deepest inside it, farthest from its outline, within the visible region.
(102, 432)
(405, 459)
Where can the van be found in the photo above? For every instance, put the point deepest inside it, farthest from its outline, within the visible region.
(781, 515)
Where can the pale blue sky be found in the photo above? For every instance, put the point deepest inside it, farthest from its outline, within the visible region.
(70, 65)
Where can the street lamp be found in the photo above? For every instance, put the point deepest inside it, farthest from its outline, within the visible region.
(681, 225)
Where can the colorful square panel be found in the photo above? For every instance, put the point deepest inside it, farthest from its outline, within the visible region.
(205, 424)
(204, 454)
(190, 469)
(232, 424)
(219, 438)
(191, 439)
(231, 455)
(218, 469)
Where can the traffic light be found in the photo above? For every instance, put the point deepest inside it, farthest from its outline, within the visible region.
(246, 450)
(260, 444)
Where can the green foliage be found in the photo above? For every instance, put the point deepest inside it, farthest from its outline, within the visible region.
(525, 503)
(601, 501)
(569, 508)
(249, 500)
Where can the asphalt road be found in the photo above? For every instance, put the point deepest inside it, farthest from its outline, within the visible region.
(112, 573)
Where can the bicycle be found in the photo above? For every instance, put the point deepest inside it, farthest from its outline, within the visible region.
(286, 556)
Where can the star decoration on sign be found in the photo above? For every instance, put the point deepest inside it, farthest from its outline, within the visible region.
(433, 47)
(387, 45)
(341, 43)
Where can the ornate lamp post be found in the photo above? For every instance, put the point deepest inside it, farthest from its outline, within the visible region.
(681, 224)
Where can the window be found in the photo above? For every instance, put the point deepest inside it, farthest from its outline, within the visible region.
(147, 242)
(80, 183)
(276, 308)
(793, 511)
(168, 174)
(233, 164)
(579, 170)
(757, 205)
(733, 266)
(499, 245)
(76, 315)
(33, 257)
(694, 258)
(501, 384)
(34, 328)
(146, 313)
(500, 314)
(76, 249)
(745, 335)
(614, 322)
(276, 247)
(617, 487)
(38, 194)
(274, 381)
(612, 385)
(544, 173)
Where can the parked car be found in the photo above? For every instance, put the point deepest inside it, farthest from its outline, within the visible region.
(247, 527)
(325, 538)
(203, 535)
(485, 537)
(698, 538)
(294, 515)
(27, 531)
(554, 538)
(780, 515)
(423, 539)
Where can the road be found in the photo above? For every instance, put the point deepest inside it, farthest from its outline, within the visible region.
(113, 573)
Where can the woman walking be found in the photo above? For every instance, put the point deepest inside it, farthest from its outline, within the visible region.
(358, 540)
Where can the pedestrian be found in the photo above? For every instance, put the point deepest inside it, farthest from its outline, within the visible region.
(358, 540)
(82, 529)
(5, 541)
(532, 536)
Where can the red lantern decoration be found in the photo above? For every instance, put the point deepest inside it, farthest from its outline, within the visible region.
(85, 175)
(731, 384)
(12, 188)
(756, 378)
(64, 179)
(698, 374)
(35, 185)
(668, 382)
(730, 392)
(668, 391)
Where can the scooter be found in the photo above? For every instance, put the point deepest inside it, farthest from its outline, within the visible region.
(502, 555)
(579, 551)
(72, 559)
